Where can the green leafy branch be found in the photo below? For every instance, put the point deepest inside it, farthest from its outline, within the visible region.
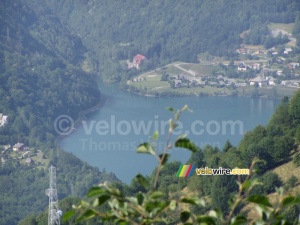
(150, 208)
(181, 141)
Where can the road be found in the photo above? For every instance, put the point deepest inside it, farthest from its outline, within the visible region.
(177, 65)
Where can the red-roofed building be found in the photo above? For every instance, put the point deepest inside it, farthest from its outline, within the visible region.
(137, 61)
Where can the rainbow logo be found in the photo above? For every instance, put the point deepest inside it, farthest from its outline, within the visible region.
(185, 170)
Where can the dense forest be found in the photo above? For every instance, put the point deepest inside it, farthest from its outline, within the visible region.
(164, 31)
(52, 52)
(40, 78)
(275, 144)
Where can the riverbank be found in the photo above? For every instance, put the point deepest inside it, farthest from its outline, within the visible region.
(132, 119)
(83, 115)
(276, 92)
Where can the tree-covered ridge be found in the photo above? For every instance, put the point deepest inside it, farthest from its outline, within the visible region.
(223, 201)
(42, 48)
(164, 31)
(22, 187)
(41, 78)
(142, 203)
(41, 75)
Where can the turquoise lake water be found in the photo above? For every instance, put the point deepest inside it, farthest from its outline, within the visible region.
(108, 139)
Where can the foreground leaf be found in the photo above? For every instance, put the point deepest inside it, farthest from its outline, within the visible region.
(259, 199)
(187, 144)
(142, 181)
(68, 215)
(88, 214)
(145, 148)
(165, 160)
(206, 220)
(95, 191)
(184, 216)
(193, 201)
(290, 200)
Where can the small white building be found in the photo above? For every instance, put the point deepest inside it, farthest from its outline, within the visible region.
(256, 66)
(294, 65)
(260, 81)
(242, 67)
(271, 81)
(29, 161)
(285, 82)
(279, 72)
(3, 119)
(287, 51)
(18, 147)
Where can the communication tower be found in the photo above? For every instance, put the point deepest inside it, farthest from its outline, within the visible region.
(54, 212)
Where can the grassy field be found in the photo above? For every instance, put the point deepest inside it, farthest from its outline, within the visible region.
(171, 69)
(198, 68)
(267, 91)
(152, 82)
(254, 47)
(39, 159)
(288, 27)
(204, 91)
(284, 172)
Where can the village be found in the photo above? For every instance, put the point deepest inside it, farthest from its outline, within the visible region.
(256, 67)
(19, 153)
(269, 68)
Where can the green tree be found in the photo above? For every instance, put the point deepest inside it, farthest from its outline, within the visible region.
(294, 108)
(29, 220)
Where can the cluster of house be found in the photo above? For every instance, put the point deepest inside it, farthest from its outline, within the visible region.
(255, 66)
(261, 81)
(3, 119)
(291, 83)
(286, 51)
(220, 81)
(137, 61)
(18, 147)
(245, 51)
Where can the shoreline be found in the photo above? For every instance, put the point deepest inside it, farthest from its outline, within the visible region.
(176, 95)
(82, 115)
(203, 94)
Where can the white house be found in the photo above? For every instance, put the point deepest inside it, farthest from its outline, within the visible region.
(287, 51)
(256, 66)
(3, 119)
(242, 67)
(260, 81)
(271, 81)
(294, 65)
(279, 72)
(18, 147)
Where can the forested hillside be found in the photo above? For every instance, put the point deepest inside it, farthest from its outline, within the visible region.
(276, 144)
(51, 51)
(163, 31)
(40, 78)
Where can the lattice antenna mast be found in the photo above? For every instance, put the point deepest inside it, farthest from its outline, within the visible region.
(54, 213)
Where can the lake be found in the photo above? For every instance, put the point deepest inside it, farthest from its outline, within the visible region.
(108, 139)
